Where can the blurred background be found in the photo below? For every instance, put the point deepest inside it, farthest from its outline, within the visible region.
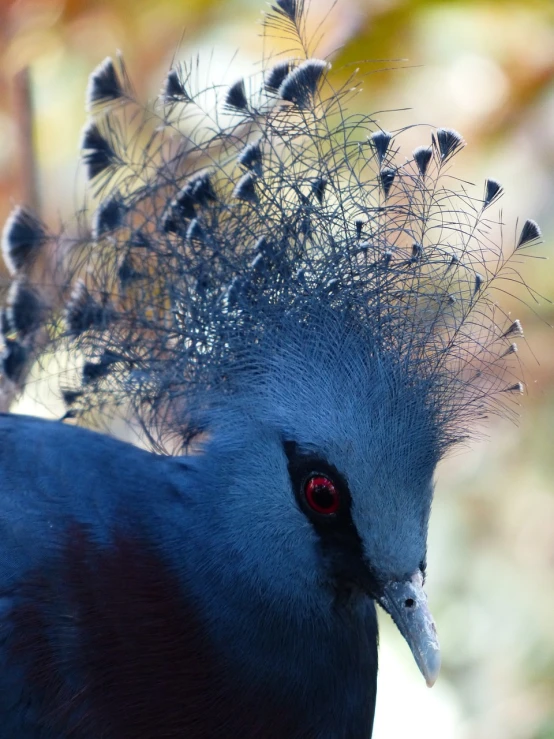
(483, 68)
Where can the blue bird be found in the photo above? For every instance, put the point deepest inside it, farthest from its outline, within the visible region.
(297, 328)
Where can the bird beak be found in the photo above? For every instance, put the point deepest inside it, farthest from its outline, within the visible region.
(406, 603)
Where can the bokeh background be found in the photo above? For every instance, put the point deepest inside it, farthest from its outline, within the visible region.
(483, 68)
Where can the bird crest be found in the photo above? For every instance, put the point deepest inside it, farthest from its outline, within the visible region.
(229, 227)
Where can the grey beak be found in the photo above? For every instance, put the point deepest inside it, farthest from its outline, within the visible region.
(406, 603)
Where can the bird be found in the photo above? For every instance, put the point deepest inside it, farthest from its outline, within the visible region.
(293, 325)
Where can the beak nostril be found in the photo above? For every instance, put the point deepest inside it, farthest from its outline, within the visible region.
(409, 602)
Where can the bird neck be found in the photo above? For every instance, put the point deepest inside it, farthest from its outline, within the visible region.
(275, 621)
(316, 658)
(312, 653)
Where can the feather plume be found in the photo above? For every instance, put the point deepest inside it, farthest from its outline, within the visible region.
(208, 239)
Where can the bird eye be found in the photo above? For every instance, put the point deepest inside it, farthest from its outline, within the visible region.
(321, 495)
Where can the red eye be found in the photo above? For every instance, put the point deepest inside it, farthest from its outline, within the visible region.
(321, 495)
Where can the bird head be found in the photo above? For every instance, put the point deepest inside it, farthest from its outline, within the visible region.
(331, 446)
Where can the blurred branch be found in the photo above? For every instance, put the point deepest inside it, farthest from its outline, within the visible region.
(24, 117)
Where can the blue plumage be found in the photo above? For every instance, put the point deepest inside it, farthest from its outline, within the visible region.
(302, 326)
(123, 574)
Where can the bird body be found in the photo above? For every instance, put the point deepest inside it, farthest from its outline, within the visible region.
(299, 328)
(128, 611)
